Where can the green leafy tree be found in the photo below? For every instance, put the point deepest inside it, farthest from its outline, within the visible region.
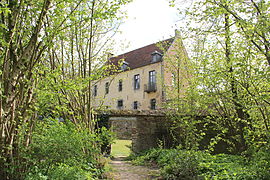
(78, 57)
(230, 55)
(47, 52)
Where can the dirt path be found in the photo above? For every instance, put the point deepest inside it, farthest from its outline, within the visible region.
(124, 170)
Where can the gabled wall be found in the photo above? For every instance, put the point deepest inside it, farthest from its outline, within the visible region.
(176, 70)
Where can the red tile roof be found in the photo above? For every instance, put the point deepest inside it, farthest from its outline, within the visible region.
(142, 56)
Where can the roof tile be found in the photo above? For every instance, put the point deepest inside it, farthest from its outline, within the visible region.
(142, 56)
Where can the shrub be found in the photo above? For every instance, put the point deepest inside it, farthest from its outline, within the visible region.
(261, 162)
(145, 157)
(181, 165)
(62, 172)
(175, 164)
(63, 150)
(187, 164)
(223, 166)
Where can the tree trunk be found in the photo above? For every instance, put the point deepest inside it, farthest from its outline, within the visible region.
(239, 109)
(16, 87)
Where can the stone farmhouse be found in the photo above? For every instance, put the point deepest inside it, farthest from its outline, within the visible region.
(148, 77)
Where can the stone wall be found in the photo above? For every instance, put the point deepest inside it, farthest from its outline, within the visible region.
(150, 132)
(123, 126)
(145, 130)
(149, 129)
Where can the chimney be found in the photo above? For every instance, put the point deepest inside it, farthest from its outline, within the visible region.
(177, 33)
(109, 55)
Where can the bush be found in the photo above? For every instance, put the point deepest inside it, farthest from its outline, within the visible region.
(175, 164)
(62, 151)
(145, 157)
(184, 164)
(62, 172)
(261, 163)
(223, 166)
(181, 165)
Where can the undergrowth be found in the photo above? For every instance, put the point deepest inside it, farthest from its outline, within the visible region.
(63, 151)
(177, 164)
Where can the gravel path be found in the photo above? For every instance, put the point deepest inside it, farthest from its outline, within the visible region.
(124, 170)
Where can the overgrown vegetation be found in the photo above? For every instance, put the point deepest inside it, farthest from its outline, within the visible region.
(221, 91)
(63, 151)
(219, 100)
(51, 51)
(190, 164)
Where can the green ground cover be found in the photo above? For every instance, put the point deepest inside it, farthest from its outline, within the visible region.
(190, 165)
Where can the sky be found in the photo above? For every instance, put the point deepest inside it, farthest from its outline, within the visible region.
(149, 21)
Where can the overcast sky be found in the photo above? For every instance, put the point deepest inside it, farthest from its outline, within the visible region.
(148, 21)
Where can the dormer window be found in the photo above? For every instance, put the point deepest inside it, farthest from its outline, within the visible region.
(156, 56)
(124, 66)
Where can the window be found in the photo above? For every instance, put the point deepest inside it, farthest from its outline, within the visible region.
(152, 78)
(120, 104)
(152, 81)
(106, 87)
(153, 104)
(124, 66)
(95, 90)
(135, 105)
(156, 56)
(120, 85)
(137, 81)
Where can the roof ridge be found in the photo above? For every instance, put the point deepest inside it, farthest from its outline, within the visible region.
(142, 56)
(144, 47)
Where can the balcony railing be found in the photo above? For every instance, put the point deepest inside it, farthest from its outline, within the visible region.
(150, 87)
